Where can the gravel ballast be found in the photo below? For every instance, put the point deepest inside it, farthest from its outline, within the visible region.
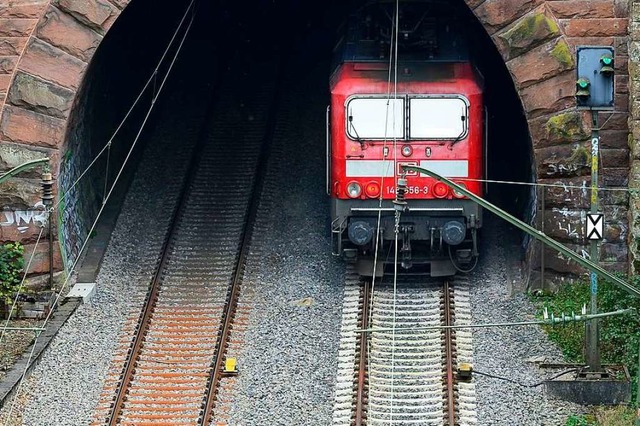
(508, 351)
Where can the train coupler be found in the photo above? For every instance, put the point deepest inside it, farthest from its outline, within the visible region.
(405, 250)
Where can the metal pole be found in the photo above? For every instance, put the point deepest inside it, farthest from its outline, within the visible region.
(592, 327)
(542, 246)
(47, 200)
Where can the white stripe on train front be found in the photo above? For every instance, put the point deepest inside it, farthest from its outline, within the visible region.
(369, 168)
(447, 168)
(384, 168)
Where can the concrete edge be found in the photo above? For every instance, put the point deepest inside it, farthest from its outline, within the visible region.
(10, 383)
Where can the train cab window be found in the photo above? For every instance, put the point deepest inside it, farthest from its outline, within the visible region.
(375, 118)
(438, 118)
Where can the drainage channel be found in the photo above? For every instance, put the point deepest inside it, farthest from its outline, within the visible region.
(172, 355)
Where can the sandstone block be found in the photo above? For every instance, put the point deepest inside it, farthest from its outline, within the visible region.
(561, 128)
(40, 96)
(549, 96)
(97, 14)
(589, 41)
(52, 64)
(621, 84)
(611, 121)
(616, 139)
(496, 14)
(12, 155)
(614, 157)
(621, 8)
(5, 80)
(16, 27)
(541, 63)
(473, 3)
(40, 263)
(615, 197)
(533, 30)
(564, 161)
(12, 46)
(614, 176)
(65, 32)
(23, 9)
(620, 44)
(565, 225)
(594, 27)
(611, 252)
(7, 64)
(31, 128)
(20, 194)
(582, 9)
(568, 192)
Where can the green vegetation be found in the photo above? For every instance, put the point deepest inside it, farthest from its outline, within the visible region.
(11, 269)
(580, 421)
(619, 339)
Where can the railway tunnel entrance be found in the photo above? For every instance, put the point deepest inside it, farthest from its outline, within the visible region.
(81, 68)
(218, 38)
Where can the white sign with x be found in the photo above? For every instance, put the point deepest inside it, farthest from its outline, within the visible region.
(595, 226)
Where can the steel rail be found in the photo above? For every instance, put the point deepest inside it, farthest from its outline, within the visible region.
(247, 234)
(360, 415)
(448, 335)
(154, 287)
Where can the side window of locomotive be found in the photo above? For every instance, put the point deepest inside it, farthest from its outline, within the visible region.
(375, 118)
(438, 118)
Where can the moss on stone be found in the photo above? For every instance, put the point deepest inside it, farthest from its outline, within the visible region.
(562, 54)
(530, 31)
(580, 155)
(566, 126)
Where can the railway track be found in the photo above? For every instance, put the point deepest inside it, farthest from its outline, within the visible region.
(400, 375)
(169, 365)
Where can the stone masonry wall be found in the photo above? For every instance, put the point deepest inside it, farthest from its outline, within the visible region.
(634, 139)
(46, 46)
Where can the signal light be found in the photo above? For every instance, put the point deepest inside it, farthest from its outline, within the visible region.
(583, 89)
(372, 189)
(607, 65)
(440, 190)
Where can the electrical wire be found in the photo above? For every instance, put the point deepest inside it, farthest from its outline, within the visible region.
(524, 385)
(151, 78)
(93, 226)
(24, 277)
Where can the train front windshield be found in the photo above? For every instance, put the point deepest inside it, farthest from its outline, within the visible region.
(429, 118)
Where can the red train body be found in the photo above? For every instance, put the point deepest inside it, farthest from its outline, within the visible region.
(430, 115)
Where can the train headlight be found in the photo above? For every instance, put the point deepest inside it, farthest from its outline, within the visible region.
(407, 150)
(354, 190)
(440, 190)
(372, 189)
(453, 232)
(459, 194)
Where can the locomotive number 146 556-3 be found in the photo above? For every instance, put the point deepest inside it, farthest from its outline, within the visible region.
(418, 190)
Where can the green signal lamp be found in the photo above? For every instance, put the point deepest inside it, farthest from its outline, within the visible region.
(582, 88)
(606, 61)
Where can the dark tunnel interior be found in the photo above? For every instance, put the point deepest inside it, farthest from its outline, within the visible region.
(130, 51)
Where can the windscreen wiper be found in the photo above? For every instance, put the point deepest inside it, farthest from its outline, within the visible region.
(360, 141)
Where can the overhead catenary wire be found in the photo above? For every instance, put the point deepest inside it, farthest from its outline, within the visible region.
(120, 171)
(151, 79)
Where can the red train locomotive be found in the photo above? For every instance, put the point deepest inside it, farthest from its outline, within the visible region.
(424, 109)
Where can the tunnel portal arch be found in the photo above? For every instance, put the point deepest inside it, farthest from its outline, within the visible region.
(47, 47)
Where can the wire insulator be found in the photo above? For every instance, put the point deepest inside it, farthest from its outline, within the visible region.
(401, 190)
(47, 189)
